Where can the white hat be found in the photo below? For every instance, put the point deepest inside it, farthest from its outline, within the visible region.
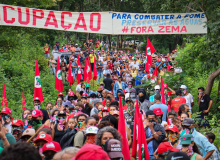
(183, 86)
(76, 44)
(157, 87)
(92, 130)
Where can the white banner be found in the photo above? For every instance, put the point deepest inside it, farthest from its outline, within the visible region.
(104, 22)
(178, 23)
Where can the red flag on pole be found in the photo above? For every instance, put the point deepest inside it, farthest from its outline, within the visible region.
(149, 50)
(37, 84)
(122, 131)
(85, 71)
(147, 67)
(58, 80)
(162, 90)
(70, 75)
(95, 74)
(4, 98)
(155, 75)
(23, 102)
(139, 138)
(89, 71)
(79, 71)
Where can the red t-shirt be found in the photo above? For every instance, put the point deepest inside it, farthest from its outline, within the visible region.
(61, 50)
(176, 102)
(110, 66)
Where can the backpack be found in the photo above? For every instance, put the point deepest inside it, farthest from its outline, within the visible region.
(68, 138)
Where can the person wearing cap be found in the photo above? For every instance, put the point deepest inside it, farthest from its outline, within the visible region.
(105, 111)
(113, 148)
(205, 147)
(156, 91)
(172, 133)
(154, 132)
(59, 129)
(94, 110)
(164, 149)
(6, 118)
(159, 115)
(119, 85)
(99, 67)
(41, 140)
(17, 127)
(91, 132)
(37, 105)
(190, 148)
(159, 104)
(176, 102)
(28, 133)
(187, 96)
(77, 50)
(87, 90)
(50, 149)
(36, 120)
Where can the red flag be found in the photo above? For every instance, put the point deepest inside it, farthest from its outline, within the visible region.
(122, 131)
(70, 75)
(149, 51)
(169, 100)
(162, 90)
(79, 71)
(23, 102)
(4, 98)
(58, 80)
(89, 71)
(85, 71)
(37, 84)
(139, 138)
(155, 75)
(147, 67)
(95, 74)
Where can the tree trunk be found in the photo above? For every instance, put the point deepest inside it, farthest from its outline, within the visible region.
(87, 36)
(121, 41)
(75, 38)
(219, 87)
(117, 45)
(211, 79)
(175, 42)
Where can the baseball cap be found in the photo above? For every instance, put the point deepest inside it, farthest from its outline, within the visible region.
(61, 113)
(165, 85)
(36, 99)
(76, 44)
(51, 146)
(183, 86)
(157, 111)
(92, 130)
(177, 156)
(105, 109)
(188, 121)
(71, 94)
(17, 122)
(115, 112)
(60, 94)
(157, 87)
(28, 132)
(43, 136)
(172, 128)
(87, 85)
(113, 148)
(84, 95)
(91, 152)
(186, 139)
(6, 110)
(36, 113)
(96, 100)
(166, 146)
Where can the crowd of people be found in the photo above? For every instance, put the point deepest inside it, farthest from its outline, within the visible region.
(83, 124)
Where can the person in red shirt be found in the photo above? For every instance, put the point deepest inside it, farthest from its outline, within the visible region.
(110, 65)
(62, 49)
(97, 43)
(176, 102)
(46, 50)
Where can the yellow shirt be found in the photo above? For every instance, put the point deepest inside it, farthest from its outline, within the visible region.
(134, 73)
(91, 58)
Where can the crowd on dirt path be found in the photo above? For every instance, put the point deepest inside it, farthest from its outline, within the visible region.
(83, 123)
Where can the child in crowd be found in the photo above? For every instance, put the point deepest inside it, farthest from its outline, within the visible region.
(211, 137)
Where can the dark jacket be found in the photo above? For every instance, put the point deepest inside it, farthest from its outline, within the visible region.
(157, 127)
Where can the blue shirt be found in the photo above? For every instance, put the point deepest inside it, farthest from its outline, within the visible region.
(202, 142)
(152, 98)
(150, 144)
(157, 64)
(163, 107)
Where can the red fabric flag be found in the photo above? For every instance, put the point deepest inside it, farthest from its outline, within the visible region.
(79, 71)
(58, 80)
(139, 147)
(122, 131)
(23, 102)
(37, 84)
(4, 98)
(70, 75)
(95, 74)
(149, 51)
(85, 71)
(147, 67)
(162, 90)
(155, 75)
(89, 71)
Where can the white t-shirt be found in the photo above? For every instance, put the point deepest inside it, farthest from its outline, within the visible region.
(189, 100)
(78, 88)
(104, 64)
